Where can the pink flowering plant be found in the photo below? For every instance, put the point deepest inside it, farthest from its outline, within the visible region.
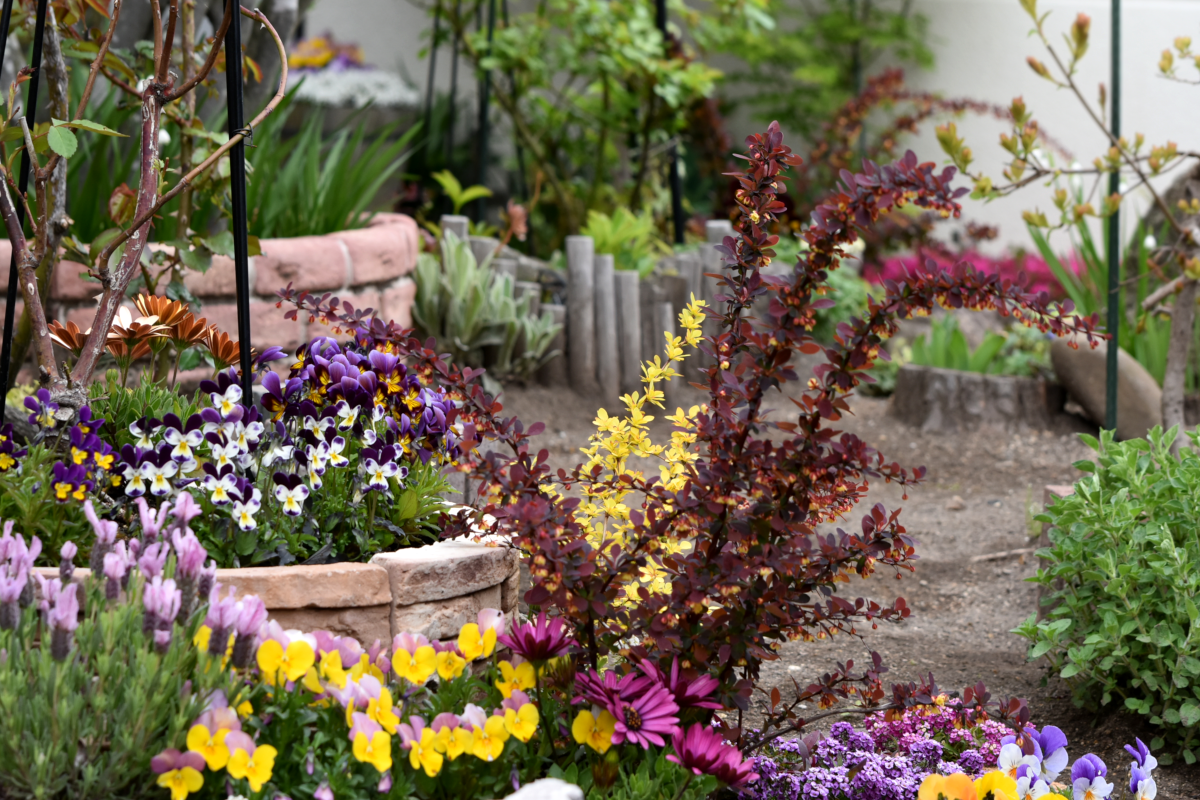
(97, 672)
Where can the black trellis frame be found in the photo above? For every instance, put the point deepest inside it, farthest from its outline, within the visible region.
(237, 180)
(10, 300)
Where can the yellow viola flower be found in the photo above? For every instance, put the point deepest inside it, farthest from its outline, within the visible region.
(522, 724)
(489, 742)
(375, 750)
(949, 787)
(520, 677)
(381, 711)
(202, 638)
(292, 663)
(415, 667)
(455, 741)
(245, 709)
(1001, 786)
(181, 782)
(594, 731)
(473, 645)
(329, 670)
(449, 664)
(364, 667)
(255, 767)
(210, 746)
(424, 753)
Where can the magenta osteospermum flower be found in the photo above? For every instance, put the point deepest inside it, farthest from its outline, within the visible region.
(702, 750)
(538, 641)
(688, 694)
(646, 718)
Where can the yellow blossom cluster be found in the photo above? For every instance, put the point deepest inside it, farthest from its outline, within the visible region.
(604, 514)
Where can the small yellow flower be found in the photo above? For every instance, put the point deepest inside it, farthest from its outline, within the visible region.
(473, 645)
(594, 731)
(376, 750)
(455, 741)
(489, 742)
(210, 745)
(255, 767)
(202, 638)
(424, 753)
(520, 677)
(415, 667)
(1001, 786)
(381, 711)
(293, 663)
(329, 670)
(450, 664)
(181, 782)
(521, 724)
(245, 709)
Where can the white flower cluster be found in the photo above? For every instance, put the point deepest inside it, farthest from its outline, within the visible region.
(353, 87)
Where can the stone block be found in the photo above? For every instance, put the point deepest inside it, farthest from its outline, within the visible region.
(308, 263)
(510, 592)
(70, 282)
(367, 624)
(443, 619)
(1083, 370)
(323, 586)
(219, 281)
(382, 253)
(398, 303)
(444, 570)
(267, 324)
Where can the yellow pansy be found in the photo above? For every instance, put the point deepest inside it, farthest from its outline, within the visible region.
(381, 711)
(950, 787)
(255, 767)
(415, 667)
(364, 667)
(292, 663)
(375, 750)
(489, 741)
(245, 709)
(594, 731)
(450, 664)
(424, 753)
(520, 677)
(455, 741)
(202, 637)
(522, 724)
(473, 645)
(329, 670)
(181, 782)
(1001, 786)
(210, 745)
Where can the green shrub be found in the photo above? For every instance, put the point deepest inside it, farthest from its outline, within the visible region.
(629, 238)
(1123, 625)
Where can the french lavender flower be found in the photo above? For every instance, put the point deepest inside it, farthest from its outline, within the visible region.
(208, 578)
(11, 588)
(106, 536)
(222, 614)
(64, 619)
(160, 601)
(189, 560)
(152, 524)
(153, 560)
(251, 614)
(66, 567)
(114, 571)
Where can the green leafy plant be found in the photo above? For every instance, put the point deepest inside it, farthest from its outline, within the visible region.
(311, 184)
(120, 406)
(1121, 623)
(454, 190)
(631, 239)
(947, 348)
(473, 314)
(27, 498)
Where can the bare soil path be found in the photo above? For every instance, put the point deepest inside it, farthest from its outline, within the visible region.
(980, 494)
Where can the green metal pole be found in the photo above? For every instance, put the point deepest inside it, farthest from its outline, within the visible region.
(1114, 236)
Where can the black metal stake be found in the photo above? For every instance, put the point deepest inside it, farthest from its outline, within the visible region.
(237, 187)
(660, 20)
(453, 90)
(485, 98)
(1114, 236)
(10, 300)
(437, 19)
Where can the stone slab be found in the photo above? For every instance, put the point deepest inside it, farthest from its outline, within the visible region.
(367, 624)
(510, 592)
(310, 263)
(319, 586)
(444, 570)
(382, 253)
(444, 618)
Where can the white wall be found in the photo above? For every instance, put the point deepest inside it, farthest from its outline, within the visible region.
(981, 47)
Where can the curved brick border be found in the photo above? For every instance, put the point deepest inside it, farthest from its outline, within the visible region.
(432, 590)
(368, 267)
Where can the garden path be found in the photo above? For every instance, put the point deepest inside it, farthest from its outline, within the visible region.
(980, 494)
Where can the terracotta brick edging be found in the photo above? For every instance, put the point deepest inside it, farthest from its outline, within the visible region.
(367, 266)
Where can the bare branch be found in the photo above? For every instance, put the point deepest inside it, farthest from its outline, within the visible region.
(1162, 292)
(164, 64)
(98, 61)
(218, 41)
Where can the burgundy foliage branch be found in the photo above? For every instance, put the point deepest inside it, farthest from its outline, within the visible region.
(758, 571)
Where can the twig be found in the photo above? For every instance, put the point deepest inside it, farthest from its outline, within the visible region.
(218, 39)
(1003, 554)
(98, 62)
(1163, 291)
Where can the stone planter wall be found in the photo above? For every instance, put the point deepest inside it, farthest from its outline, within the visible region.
(368, 267)
(430, 590)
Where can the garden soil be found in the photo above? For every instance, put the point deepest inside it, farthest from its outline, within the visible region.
(978, 498)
